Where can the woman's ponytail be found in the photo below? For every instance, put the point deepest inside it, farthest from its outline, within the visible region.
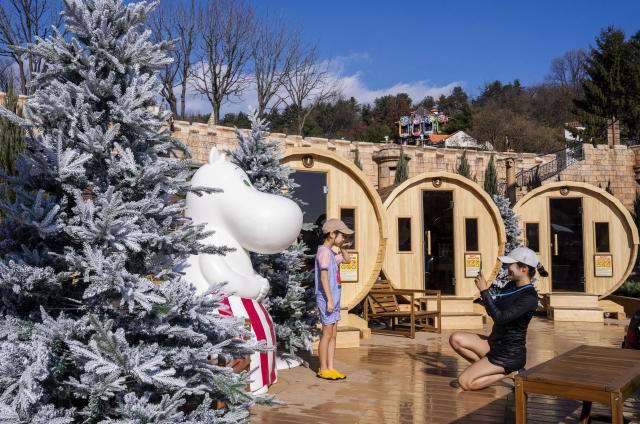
(543, 272)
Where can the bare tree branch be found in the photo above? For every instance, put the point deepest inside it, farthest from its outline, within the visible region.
(180, 20)
(274, 49)
(8, 75)
(308, 84)
(223, 52)
(568, 70)
(22, 22)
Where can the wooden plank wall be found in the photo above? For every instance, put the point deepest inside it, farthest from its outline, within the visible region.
(349, 189)
(405, 269)
(597, 206)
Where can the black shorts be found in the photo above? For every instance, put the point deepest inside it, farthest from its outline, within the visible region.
(508, 362)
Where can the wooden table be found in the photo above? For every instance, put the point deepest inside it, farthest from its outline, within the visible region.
(587, 373)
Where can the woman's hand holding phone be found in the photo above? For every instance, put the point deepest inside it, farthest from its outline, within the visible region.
(481, 283)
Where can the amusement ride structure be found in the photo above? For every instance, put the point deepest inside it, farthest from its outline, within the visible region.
(420, 125)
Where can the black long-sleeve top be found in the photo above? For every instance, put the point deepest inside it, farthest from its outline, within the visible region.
(511, 315)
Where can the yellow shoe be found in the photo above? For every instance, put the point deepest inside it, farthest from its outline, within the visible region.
(327, 375)
(339, 374)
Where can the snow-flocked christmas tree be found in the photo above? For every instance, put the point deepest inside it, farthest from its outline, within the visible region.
(85, 335)
(513, 232)
(289, 303)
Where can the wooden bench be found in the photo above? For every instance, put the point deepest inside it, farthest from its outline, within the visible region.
(383, 301)
(587, 373)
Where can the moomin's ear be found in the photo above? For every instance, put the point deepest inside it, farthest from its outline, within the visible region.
(214, 156)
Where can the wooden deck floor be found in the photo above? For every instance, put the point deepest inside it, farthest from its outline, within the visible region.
(398, 380)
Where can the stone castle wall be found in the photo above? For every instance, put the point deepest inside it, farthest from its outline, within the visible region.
(601, 164)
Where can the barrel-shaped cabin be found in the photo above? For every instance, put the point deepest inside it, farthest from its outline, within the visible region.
(442, 228)
(333, 187)
(583, 235)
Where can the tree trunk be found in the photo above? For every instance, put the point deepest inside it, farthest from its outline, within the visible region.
(23, 78)
(173, 105)
(216, 113)
(182, 98)
(169, 96)
(300, 121)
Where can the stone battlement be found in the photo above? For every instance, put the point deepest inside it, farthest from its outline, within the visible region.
(601, 164)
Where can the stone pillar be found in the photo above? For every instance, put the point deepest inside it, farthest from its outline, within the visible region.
(613, 132)
(511, 180)
(387, 158)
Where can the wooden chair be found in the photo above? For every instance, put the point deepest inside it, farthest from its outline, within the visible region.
(383, 301)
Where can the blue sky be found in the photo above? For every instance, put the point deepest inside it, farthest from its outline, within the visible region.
(383, 47)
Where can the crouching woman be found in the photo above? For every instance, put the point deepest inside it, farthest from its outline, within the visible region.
(504, 352)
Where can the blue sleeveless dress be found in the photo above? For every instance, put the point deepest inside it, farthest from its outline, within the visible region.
(336, 289)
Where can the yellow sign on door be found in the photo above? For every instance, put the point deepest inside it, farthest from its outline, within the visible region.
(604, 265)
(349, 270)
(472, 264)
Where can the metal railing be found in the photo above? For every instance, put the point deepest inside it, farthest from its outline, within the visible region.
(574, 154)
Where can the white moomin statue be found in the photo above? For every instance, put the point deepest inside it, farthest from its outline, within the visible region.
(249, 221)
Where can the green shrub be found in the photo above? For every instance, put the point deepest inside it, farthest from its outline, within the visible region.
(629, 289)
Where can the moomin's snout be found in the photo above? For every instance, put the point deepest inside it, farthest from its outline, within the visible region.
(269, 224)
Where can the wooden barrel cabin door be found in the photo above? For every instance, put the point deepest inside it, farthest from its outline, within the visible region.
(312, 191)
(438, 241)
(567, 245)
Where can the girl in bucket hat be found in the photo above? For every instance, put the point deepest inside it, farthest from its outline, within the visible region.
(328, 289)
(504, 352)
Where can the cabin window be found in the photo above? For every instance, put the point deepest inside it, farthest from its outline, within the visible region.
(471, 234)
(348, 216)
(602, 237)
(404, 234)
(532, 236)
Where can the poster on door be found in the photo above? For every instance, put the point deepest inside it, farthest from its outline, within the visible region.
(604, 265)
(472, 264)
(349, 270)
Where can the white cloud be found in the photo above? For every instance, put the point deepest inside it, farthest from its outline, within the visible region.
(417, 90)
(353, 84)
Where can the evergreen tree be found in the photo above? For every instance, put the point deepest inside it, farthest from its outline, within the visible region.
(608, 189)
(402, 171)
(11, 142)
(611, 88)
(462, 120)
(536, 181)
(356, 161)
(291, 306)
(85, 335)
(463, 167)
(365, 114)
(491, 178)
(513, 232)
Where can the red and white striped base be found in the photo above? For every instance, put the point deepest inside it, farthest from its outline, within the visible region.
(262, 328)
